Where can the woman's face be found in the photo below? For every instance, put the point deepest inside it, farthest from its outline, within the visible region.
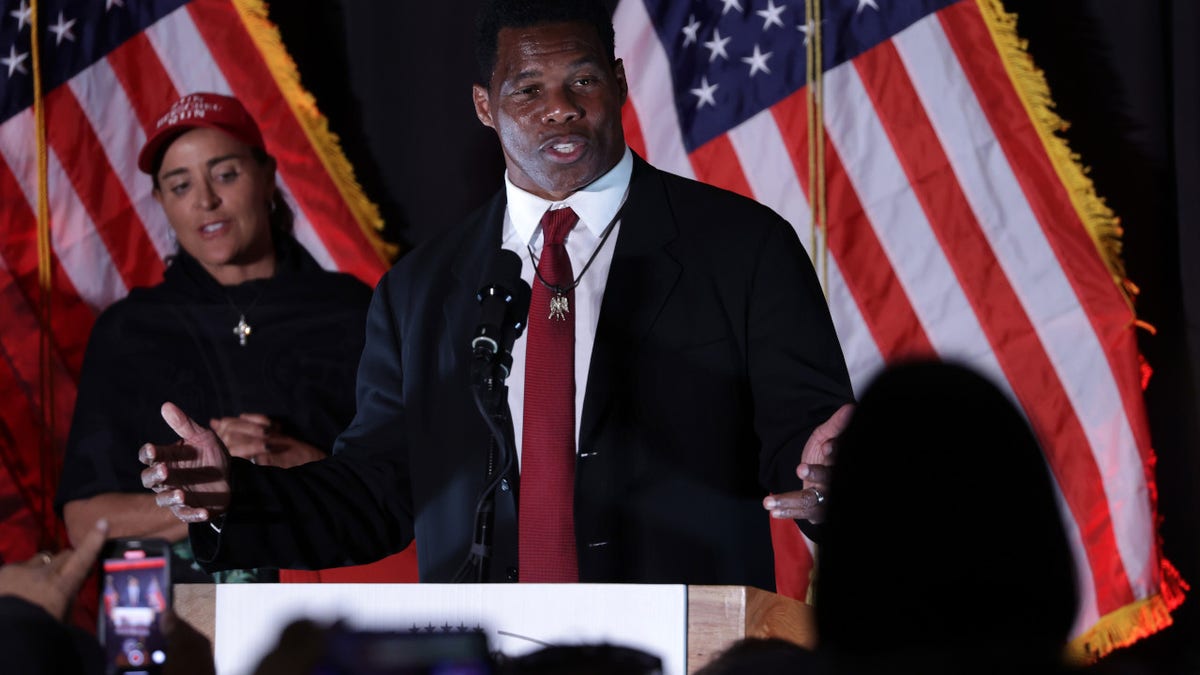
(217, 197)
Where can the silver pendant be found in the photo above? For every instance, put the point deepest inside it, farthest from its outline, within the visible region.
(242, 330)
(559, 307)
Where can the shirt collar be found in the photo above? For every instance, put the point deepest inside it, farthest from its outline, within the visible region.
(596, 204)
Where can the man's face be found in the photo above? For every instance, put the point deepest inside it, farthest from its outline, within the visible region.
(555, 102)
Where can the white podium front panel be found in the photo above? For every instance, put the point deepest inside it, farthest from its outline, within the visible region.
(518, 618)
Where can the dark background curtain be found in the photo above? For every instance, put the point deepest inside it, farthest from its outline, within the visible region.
(394, 79)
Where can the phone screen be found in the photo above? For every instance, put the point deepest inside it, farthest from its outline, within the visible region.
(136, 587)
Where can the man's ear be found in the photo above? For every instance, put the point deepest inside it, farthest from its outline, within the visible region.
(483, 105)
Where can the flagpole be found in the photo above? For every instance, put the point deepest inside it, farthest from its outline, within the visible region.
(814, 103)
(45, 284)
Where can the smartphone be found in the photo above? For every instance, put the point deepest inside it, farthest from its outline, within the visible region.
(355, 652)
(135, 590)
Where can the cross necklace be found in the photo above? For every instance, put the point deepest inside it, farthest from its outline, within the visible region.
(243, 330)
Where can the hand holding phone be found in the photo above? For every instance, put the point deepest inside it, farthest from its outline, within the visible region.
(135, 592)
(51, 581)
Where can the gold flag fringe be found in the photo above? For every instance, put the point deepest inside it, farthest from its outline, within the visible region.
(1144, 617)
(304, 106)
(1132, 622)
(1102, 224)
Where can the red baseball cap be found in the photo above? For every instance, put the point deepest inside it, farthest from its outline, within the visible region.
(213, 111)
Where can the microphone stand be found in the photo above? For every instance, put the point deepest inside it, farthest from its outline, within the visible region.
(491, 399)
(491, 360)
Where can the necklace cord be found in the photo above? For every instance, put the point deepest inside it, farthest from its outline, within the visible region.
(603, 239)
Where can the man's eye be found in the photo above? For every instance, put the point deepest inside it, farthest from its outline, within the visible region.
(526, 91)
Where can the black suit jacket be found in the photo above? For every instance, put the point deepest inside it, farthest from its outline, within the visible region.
(714, 359)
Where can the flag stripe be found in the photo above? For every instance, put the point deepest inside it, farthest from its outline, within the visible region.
(1072, 246)
(248, 75)
(70, 318)
(102, 98)
(74, 240)
(19, 384)
(179, 49)
(760, 142)
(1089, 611)
(633, 130)
(794, 559)
(145, 83)
(716, 163)
(93, 179)
(869, 278)
(19, 427)
(863, 356)
(1011, 335)
(1022, 250)
(19, 348)
(864, 359)
(651, 91)
(899, 222)
(1121, 445)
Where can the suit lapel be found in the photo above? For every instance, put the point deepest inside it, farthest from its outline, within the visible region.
(642, 276)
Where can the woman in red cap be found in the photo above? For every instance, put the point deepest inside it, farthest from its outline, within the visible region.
(245, 327)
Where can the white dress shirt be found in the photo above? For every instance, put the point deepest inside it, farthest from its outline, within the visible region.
(596, 205)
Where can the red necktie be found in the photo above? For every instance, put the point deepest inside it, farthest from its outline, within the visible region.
(546, 526)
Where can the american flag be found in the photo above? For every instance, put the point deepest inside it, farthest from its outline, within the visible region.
(107, 68)
(958, 225)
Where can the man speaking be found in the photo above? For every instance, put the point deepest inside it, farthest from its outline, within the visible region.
(678, 355)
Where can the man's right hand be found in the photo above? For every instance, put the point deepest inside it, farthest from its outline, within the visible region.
(191, 477)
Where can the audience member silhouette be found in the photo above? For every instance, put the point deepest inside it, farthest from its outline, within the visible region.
(944, 549)
(764, 656)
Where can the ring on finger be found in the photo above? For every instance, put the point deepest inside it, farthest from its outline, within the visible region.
(820, 497)
(45, 557)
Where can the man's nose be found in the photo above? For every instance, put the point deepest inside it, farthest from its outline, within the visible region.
(561, 106)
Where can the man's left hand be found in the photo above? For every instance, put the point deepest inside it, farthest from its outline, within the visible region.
(815, 469)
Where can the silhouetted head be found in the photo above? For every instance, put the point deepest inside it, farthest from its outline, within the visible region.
(597, 659)
(944, 540)
(763, 656)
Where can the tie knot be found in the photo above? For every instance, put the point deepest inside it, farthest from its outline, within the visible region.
(556, 223)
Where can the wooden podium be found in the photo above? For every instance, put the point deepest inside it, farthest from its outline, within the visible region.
(716, 616)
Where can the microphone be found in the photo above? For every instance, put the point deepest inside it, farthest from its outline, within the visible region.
(503, 308)
(516, 318)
